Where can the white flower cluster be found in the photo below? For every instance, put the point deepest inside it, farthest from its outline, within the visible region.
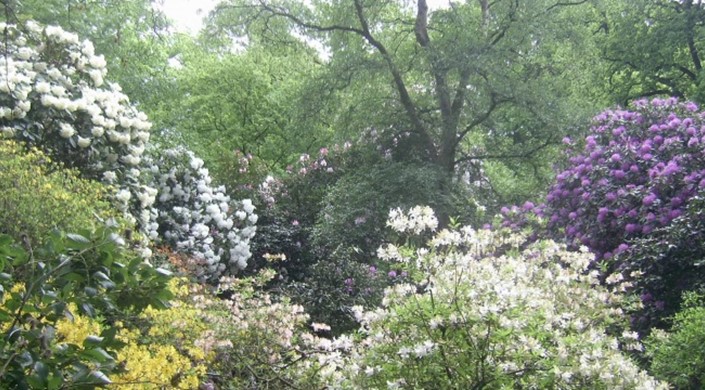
(197, 218)
(53, 96)
(55, 82)
(417, 220)
(534, 317)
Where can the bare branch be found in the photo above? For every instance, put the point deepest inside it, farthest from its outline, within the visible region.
(301, 23)
(565, 3)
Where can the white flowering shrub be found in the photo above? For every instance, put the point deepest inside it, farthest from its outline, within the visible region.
(196, 218)
(483, 313)
(53, 96)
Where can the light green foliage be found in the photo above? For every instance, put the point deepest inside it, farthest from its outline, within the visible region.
(653, 47)
(38, 195)
(245, 101)
(678, 356)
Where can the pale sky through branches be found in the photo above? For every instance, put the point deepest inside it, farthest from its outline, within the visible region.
(187, 14)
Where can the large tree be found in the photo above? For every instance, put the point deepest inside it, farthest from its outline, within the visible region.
(478, 81)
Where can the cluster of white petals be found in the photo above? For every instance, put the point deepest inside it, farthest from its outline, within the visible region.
(53, 96)
(197, 218)
(417, 220)
(486, 305)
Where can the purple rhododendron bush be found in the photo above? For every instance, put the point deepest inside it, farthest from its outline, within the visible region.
(630, 194)
(636, 173)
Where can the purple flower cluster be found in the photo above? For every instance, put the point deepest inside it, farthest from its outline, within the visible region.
(636, 173)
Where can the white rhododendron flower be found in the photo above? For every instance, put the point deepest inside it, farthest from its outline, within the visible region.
(197, 218)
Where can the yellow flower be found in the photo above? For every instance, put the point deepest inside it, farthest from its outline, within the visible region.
(77, 330)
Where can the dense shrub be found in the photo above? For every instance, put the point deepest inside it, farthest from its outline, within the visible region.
(636, 173)
(667, 263)
(483, 313)
(631, 194)
(327, 216)
(196, 218)
(61, 305)
(38, 195)
(53, 96)
(678, 356)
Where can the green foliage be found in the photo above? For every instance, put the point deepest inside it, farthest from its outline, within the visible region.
(353, 211)
(38, 195)
(678, 356)
(337, 281)
(251, 102)
(495, 84)
(668, 263)
(69, 277)
(653, 48)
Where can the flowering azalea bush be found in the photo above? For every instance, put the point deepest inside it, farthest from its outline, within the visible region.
(60, 303)
(38, 195)
(197, 218)
(248, 337)
(483, 312)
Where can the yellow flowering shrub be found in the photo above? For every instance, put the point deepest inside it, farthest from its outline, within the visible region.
(162, 356)
(77, 330)
(154, 366)
(38, 195)
(166, 353)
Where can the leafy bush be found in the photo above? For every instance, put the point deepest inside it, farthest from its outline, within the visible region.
(196, 218)
(631, 195)
(245, 337)
(86, 280)
(483, 313)
(326, 218)
(666, 264)
(38, 195)
(637, 172)
(332, 286)
(678, 356)
(53, 96)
